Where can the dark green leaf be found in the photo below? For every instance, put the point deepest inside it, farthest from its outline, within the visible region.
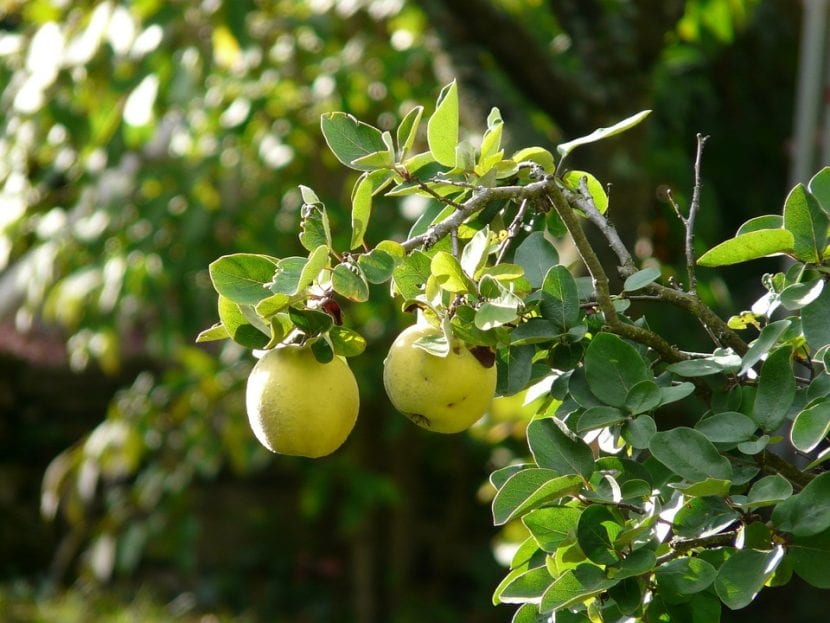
(703, 516)
(643, 396)
(689, 454)
(639, 431)
(242, 277)
(814, 321)
(596, 531)
(704, 488)
(743, 574)
(311, 321)
(612, 368)
(638, 562)
(727, 427)
(769, 490)
(673, 393)
(560, 301)
(599, 417)
(808, 512)
(514, 369)
(749, 246)
(536, 255)
(500, 476)
(528, 488)
(350, 139)
(322, 350)
(776, 390)
(554, 448)
(534, 331)
(685, 576)
(806, 221)
(810, 558)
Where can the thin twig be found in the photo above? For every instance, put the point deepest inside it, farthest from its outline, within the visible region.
(693, 210)
(454, 239)
(512, 231)
(426, 188)
(679, 548)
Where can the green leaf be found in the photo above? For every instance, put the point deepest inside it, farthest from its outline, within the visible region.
(239, 328)
(799, 295)
(710, 486)
(727, 427)
(377, 265)
(612, 368)
(498, 310)
(743, 574)
(311, 321)
(685, 576)
(411, 274)
(811, 426)
(539, 155)
(574, 586)
(768, 491)
(749, 246)
(602, 133)
(819, 187)
(287, 275)
(641, 279)
(642, 397)
(599, 417)
(528, 488)
(243, 277)
(810, 558)
(322, 350)
(636, 563)
(437, 344)
(556, 448)
(526, 586)
(673, 393)
(501, 475)
(767, 221)
(536, 255)
(639, 431)
(692, 368)
(808, 512)
(514, 367)
(689, 454)
(529, 613)
(806, 221)
(442, 127)
(776, 390)
(474, 253)
(272, 305)
(814, 321)
(596, 531)
(408, 130)
(361, 210)
(350, 139)
(534, 331)
(317, 261)
(560, 298)
(315, 225)
(703, 516)
(552, 526)
(573, 179)
(346, 342)
(447, 271)
(763, 344)
(491, 141)
(216, 332)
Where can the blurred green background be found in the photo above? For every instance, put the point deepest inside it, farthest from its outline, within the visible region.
(141, 140)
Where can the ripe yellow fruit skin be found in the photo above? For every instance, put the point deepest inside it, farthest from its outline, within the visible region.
(442, 394)
(299, 406)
